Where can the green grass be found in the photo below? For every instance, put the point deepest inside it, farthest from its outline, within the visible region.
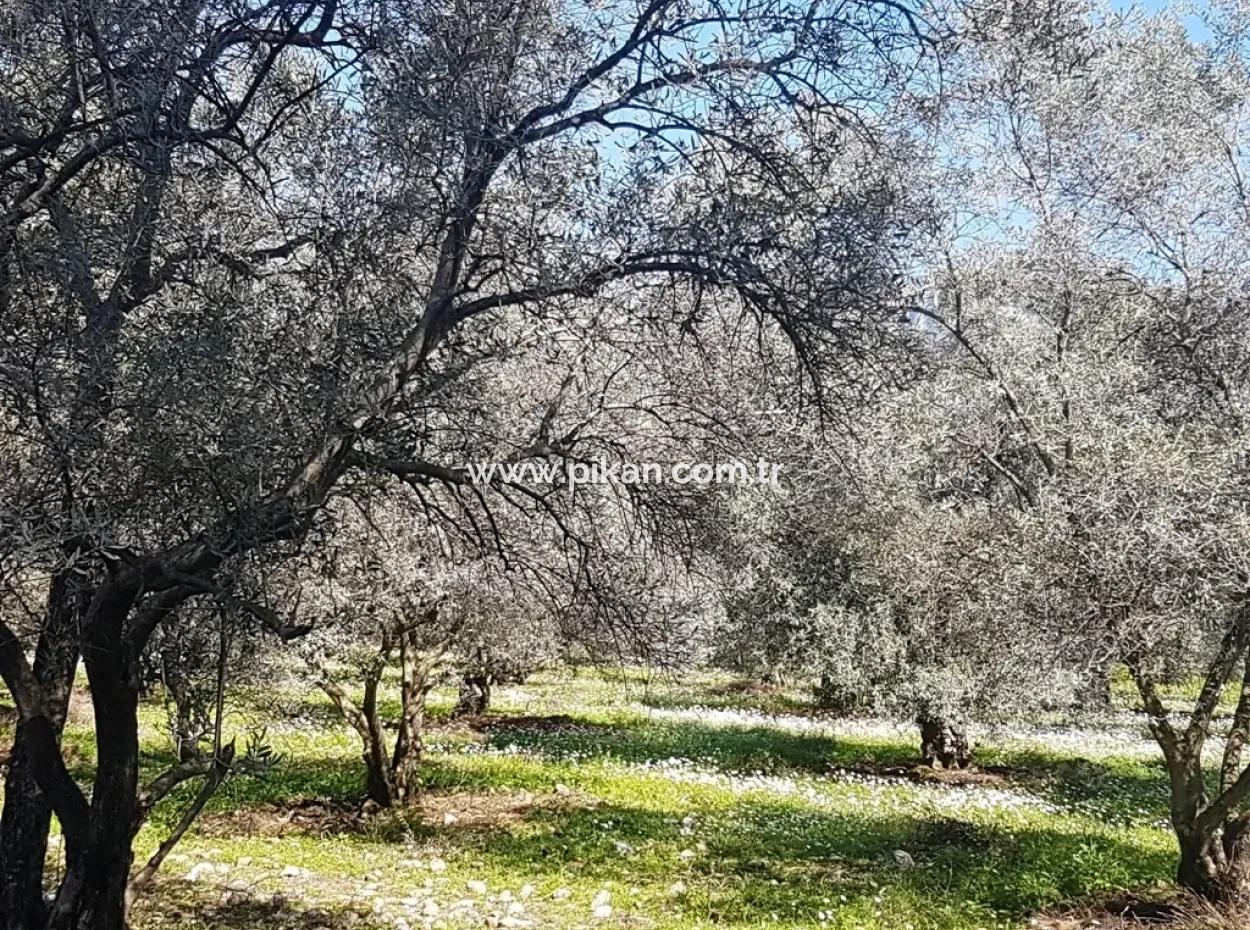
(684, 825)
(1177, 696)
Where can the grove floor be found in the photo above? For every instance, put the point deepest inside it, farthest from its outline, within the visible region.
(634, 803)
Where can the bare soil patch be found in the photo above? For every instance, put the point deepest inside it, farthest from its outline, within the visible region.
(308, 816)
(472, 809)
(326, 817)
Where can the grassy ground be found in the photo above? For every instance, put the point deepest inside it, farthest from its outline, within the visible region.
(665, 805)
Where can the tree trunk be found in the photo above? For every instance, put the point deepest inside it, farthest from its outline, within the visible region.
(1214, 858)
(27, 816)
(1215, 863)
(409, 746)
(1095, 691)
(1236, 843)
(186, 740)
(379, 781)
(92, 895)
(186, 731)
(1216, 866)
(474, 696)
(944, 742)
(379, 784)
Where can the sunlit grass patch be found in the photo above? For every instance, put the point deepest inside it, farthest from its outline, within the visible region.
(579, 804)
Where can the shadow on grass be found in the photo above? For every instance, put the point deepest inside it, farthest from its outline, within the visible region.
(1116, 791)
(755, 858)
(765, 859)
(1112, 791)
(746, 749)
(740, 694)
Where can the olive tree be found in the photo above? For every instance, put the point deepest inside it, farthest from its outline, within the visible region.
(1087, 281)
(385, 178)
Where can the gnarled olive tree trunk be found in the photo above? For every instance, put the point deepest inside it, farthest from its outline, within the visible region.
(944, 742)
(473, 698)
(27, 815)
(99, 832)
(1212, 828)
(393, 775)
(1214, 843)
(416, 671)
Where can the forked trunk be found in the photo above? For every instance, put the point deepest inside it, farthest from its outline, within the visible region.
(92, 895)
(27, 816)
(392, 777)
(1212, 833)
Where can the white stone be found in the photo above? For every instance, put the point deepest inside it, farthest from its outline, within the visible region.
(903, 859)
(199, 870)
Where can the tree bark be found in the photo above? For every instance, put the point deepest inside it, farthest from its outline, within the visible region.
(1215, 865)
(1095, 691)
(379, 783)
(186, 734)
(944, 742)
(92, 895)
(474, 696)
(409, 745)
(1214, 853)
(27, 815)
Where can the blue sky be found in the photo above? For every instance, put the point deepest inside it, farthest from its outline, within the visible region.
(1195, 26)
